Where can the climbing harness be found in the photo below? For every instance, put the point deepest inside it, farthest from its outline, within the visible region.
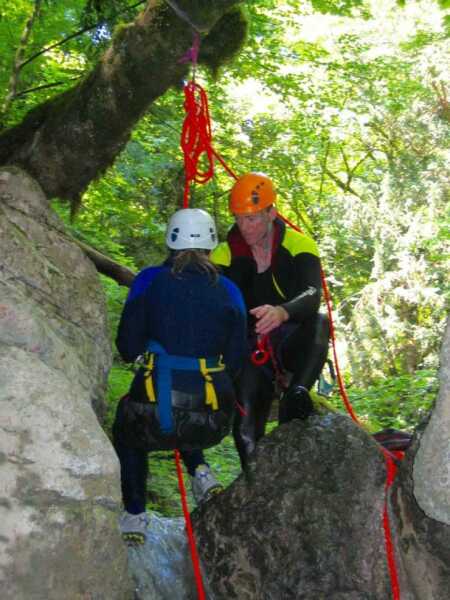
(165, 364)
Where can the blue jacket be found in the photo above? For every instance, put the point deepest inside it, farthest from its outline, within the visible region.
(189, 315)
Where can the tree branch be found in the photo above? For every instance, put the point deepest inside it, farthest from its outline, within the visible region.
(46, 86)
(360, 162)
(343, 186)
(324, 167)
(107, 266)
(443, 109)
(14, 79)
(73, 35)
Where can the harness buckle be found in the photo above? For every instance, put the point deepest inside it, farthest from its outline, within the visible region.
(261, 354)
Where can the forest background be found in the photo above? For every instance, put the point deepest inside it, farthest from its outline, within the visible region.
(346, 105)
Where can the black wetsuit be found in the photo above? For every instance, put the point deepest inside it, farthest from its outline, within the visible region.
(301, 344)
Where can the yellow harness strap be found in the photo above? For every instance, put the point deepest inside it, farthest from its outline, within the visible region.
(149, 379)
(210, 392)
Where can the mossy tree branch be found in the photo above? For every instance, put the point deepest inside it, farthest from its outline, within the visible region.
(70, 140)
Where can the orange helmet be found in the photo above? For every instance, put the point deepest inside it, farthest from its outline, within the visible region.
(251, 193)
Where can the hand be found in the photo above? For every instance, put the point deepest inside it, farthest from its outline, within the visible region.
(268, 317)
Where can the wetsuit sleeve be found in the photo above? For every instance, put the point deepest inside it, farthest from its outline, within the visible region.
(237, 345)
(307, 287)
(134, 330)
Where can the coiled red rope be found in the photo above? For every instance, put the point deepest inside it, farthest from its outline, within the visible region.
(196, 138)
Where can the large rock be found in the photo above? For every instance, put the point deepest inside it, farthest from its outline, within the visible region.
(432, 463)
(307, 521)
(421, 501)
(60, 494)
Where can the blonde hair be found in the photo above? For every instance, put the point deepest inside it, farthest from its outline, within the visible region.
(195, 257)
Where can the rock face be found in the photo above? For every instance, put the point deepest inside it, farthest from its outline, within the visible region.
(423, 544)
(306, 523)
(59, 494)
(432, 463)
(162, 567)
(421, 501)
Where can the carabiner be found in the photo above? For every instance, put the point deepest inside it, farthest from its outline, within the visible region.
(261, 354)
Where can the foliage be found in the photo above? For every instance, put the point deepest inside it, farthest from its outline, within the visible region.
(119, 381)
(224, 41)
(115, 297)
(394, 402)
(77, 30)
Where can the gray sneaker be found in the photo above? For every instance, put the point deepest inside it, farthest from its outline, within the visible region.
(134, 528)
(204, 484)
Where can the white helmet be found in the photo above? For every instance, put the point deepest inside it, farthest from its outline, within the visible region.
(191, 228)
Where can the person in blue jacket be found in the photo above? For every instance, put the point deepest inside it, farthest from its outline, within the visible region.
(187, 326)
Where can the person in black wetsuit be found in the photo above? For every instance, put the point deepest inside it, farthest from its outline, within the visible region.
(189, 324)
(277, 270)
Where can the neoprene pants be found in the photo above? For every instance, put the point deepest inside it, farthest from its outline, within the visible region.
(134, 470)
(303, 352)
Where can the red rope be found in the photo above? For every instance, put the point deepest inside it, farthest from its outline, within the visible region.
(196, 138)
(391, 470)
(339, 378)
(189, 530)
(224, 165)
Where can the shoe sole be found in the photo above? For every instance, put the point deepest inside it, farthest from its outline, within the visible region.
(134, 539)
(218, 489)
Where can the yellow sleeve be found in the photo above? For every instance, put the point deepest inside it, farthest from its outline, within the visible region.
(221, 255)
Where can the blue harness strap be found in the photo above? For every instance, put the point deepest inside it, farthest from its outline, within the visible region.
(164, 365)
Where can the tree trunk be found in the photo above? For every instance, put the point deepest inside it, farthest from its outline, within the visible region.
(70, 140)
